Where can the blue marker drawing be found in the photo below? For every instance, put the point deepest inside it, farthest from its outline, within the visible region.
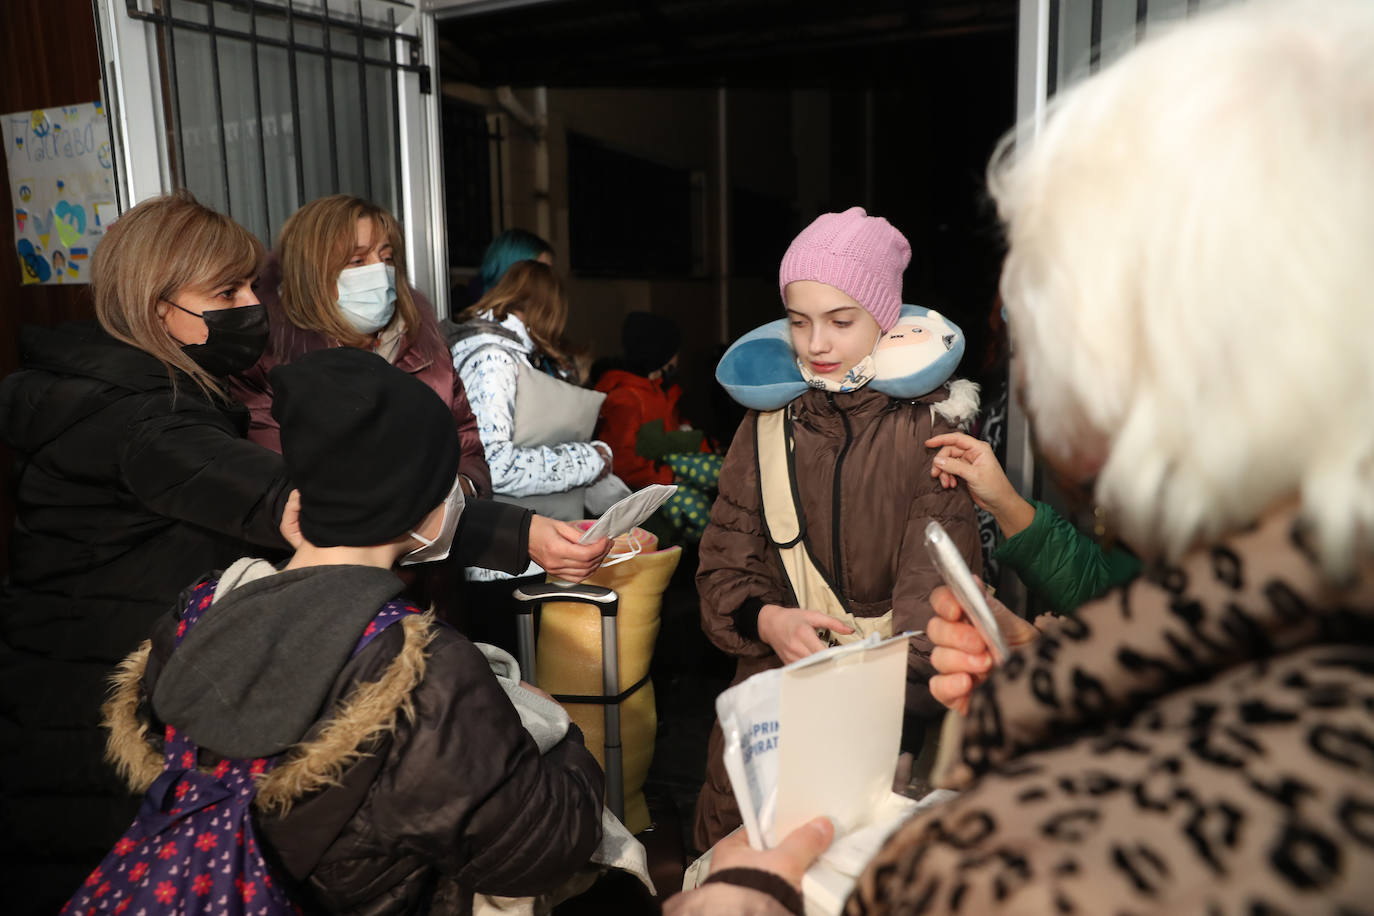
(34, 265)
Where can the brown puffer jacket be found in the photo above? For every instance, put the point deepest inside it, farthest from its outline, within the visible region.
(863, 475)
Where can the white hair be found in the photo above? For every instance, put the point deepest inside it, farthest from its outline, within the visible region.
(1191, 276)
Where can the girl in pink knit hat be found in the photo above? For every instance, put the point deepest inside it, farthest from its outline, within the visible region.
(816, 537)
(841, 281)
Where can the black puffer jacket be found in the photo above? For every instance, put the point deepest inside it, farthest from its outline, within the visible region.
(392, 811)
(125, 491)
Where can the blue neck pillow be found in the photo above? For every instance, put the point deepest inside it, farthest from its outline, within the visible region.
(917, 356)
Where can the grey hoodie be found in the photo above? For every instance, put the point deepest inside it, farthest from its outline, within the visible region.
(249, 680)
(406, 782)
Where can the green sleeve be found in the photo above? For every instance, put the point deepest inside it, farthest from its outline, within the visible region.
(653, 441)
(1061, 564)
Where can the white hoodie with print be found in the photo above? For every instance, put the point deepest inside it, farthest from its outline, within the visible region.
(489, 365)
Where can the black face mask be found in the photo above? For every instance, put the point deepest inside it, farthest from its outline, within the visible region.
(236, 341)
(669, 375)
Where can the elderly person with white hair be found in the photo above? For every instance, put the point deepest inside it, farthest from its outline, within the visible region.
(1188, 289)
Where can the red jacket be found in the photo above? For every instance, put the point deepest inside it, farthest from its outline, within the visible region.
(422, 354)
(631, 401)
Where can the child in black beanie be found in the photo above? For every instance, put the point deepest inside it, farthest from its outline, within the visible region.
(391, 772)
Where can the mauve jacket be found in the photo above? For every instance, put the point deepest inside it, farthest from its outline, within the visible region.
(863, 475)
(422, 354)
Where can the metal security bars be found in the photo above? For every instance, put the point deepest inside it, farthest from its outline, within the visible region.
(473, 180)
(272, 103)
(1085, 34)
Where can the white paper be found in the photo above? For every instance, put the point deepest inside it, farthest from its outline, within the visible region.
(630, 511)
(843, 724)
(817, 737)
(828, 883)
(62, 182)
(821, 737)
(698, 871)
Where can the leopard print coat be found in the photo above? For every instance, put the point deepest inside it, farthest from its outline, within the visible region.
(1199, 742)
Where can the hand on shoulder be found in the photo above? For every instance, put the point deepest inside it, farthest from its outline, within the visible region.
(962, 457)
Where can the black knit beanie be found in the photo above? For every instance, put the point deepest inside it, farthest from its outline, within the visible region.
(649, 341)
(372, 449)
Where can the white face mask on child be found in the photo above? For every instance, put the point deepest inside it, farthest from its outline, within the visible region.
(438, 549)
(859, 375)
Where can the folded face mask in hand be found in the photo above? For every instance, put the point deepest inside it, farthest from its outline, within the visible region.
(629, 512)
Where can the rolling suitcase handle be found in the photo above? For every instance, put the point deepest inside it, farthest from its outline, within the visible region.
(529, 597)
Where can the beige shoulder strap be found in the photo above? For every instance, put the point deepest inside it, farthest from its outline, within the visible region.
(782, 523)
(774, 445)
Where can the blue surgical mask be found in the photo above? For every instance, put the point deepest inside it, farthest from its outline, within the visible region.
(367, 296)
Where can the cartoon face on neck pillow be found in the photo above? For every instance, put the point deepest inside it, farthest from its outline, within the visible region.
(916, 342)
(917, 356)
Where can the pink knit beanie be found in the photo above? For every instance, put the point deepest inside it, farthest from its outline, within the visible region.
(862, 256)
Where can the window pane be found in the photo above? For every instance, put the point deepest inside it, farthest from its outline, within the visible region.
(279, 137)
(200, 128)
(313, 130)
(381, 107)
(350, 129)
(189, 11)
(351, 146)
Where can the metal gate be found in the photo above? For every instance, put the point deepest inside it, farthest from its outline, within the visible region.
(259, 106)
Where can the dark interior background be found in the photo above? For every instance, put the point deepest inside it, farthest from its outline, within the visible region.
(918, 94)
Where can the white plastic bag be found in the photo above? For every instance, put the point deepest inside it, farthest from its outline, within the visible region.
(749, 718)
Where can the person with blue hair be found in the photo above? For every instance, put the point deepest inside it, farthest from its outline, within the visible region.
(510, 247)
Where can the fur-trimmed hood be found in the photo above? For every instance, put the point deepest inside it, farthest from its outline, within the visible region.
(237, 687)
(416, 785)
(961, 407)
(954, 402)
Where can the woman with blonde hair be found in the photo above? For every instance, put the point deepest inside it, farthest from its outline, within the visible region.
(540, 303)
(338, 278)
(520, 322)
(505, 347)
(132, 478)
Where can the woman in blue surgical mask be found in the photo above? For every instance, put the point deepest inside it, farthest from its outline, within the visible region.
(337, 279)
